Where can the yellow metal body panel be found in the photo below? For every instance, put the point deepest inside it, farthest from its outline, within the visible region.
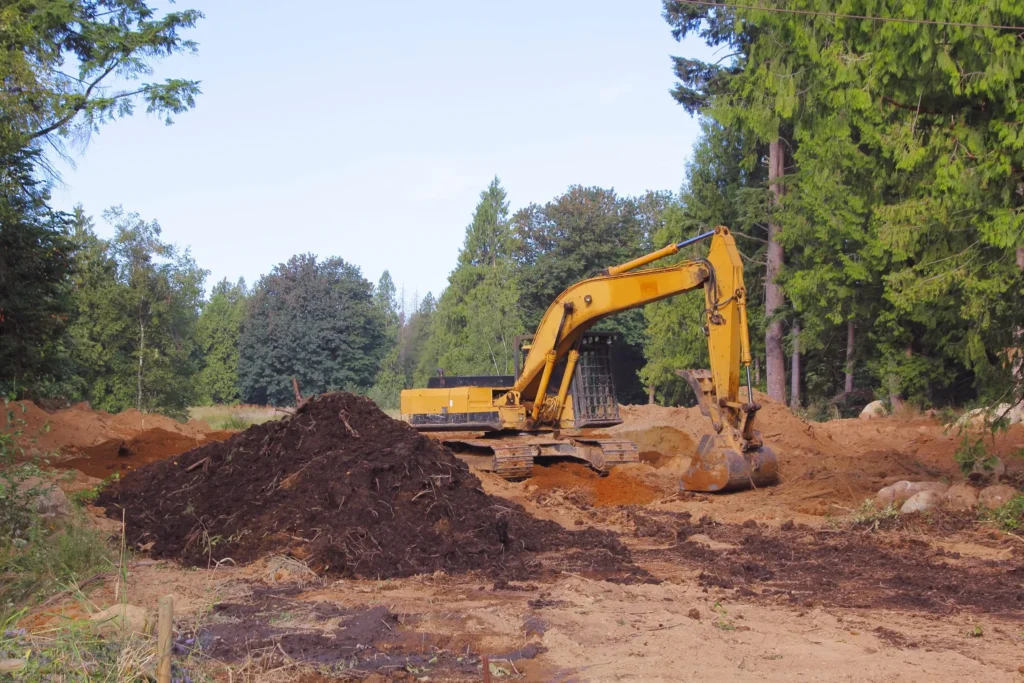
(447, 399)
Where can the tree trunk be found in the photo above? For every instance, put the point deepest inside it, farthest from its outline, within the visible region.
(1018, 364)
(142, 351)
(757, 371)
(773, 295)
(650, 395)
(794, 387)
(848, 387)
(898, 404)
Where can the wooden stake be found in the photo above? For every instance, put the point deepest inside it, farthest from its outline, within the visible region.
(487, 668)
(164, 637)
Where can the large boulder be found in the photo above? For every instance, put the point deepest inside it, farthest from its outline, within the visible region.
(49, 500)
(922, 501)
(986, 469)
(873, 410)
(902, 491)
(961, 497)
(995, 496)
(980, 417)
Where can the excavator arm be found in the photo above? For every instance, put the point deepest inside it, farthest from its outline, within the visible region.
(734, 456)
(623, 287)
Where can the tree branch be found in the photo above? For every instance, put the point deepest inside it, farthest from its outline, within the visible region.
(63, 121)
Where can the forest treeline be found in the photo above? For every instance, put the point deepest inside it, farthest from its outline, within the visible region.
(872, 171)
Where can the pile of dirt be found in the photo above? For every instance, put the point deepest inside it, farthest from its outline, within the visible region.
(624, 485)
(79, 427)
(350, 491)
(842, 461)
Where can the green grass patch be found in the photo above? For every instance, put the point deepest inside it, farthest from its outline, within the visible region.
(1009, 516)
(239, 417)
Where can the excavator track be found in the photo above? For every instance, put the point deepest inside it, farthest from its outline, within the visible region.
(513, 457)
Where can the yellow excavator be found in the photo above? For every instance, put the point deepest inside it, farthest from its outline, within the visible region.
(562, 393)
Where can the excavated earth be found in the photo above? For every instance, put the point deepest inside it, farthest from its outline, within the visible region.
(351, 492)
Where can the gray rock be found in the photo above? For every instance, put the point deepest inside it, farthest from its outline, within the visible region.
(995, 496)
(50, 501)
(902, 491)
(873, 410)
(922, 501)
(961, 497)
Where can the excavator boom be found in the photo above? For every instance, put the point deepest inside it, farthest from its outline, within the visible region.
(733, 457)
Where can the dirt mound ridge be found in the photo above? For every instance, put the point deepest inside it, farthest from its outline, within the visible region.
(74, 429)
(352, 492)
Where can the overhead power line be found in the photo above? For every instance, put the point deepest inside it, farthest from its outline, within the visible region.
(839, 15)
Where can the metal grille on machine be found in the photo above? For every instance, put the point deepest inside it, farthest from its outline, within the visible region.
(593, 389)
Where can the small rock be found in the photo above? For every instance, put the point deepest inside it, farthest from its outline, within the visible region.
(961, 497)
(873, 410)
(50, 500)
(9, 665)
(694, 614)
(922, 501)
(995, 496)
(123, 619)
(887, 496)
(902, 491)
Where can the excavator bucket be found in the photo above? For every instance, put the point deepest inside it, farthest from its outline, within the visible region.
(716, 466)
(735, 457)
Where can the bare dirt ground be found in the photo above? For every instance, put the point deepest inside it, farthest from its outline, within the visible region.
(775, 584)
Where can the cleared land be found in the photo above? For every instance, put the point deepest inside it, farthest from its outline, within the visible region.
(591, 578)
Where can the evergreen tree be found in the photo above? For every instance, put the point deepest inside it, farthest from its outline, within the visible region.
(387, 389)
(473, 329)
(36, 258)
(315, 321)
(724, 186)
(106, 44)
(416, 341)
(217, 333)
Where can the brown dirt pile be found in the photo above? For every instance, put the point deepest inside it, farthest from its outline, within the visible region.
(846, 460)
(79, 427)
(349, 490)
(622, 486)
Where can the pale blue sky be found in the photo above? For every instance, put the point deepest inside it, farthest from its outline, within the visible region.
(367, 129)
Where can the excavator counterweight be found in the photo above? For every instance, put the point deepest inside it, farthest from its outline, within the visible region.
(563, 386)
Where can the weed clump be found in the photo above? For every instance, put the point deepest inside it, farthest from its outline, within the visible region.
(38, 554)
(1009, 516)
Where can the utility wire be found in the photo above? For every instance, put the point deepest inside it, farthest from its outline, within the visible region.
(838, 15)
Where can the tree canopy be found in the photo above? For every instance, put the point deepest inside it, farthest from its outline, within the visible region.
(315, 321)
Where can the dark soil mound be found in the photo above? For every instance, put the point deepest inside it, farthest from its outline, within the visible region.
(352, 492)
